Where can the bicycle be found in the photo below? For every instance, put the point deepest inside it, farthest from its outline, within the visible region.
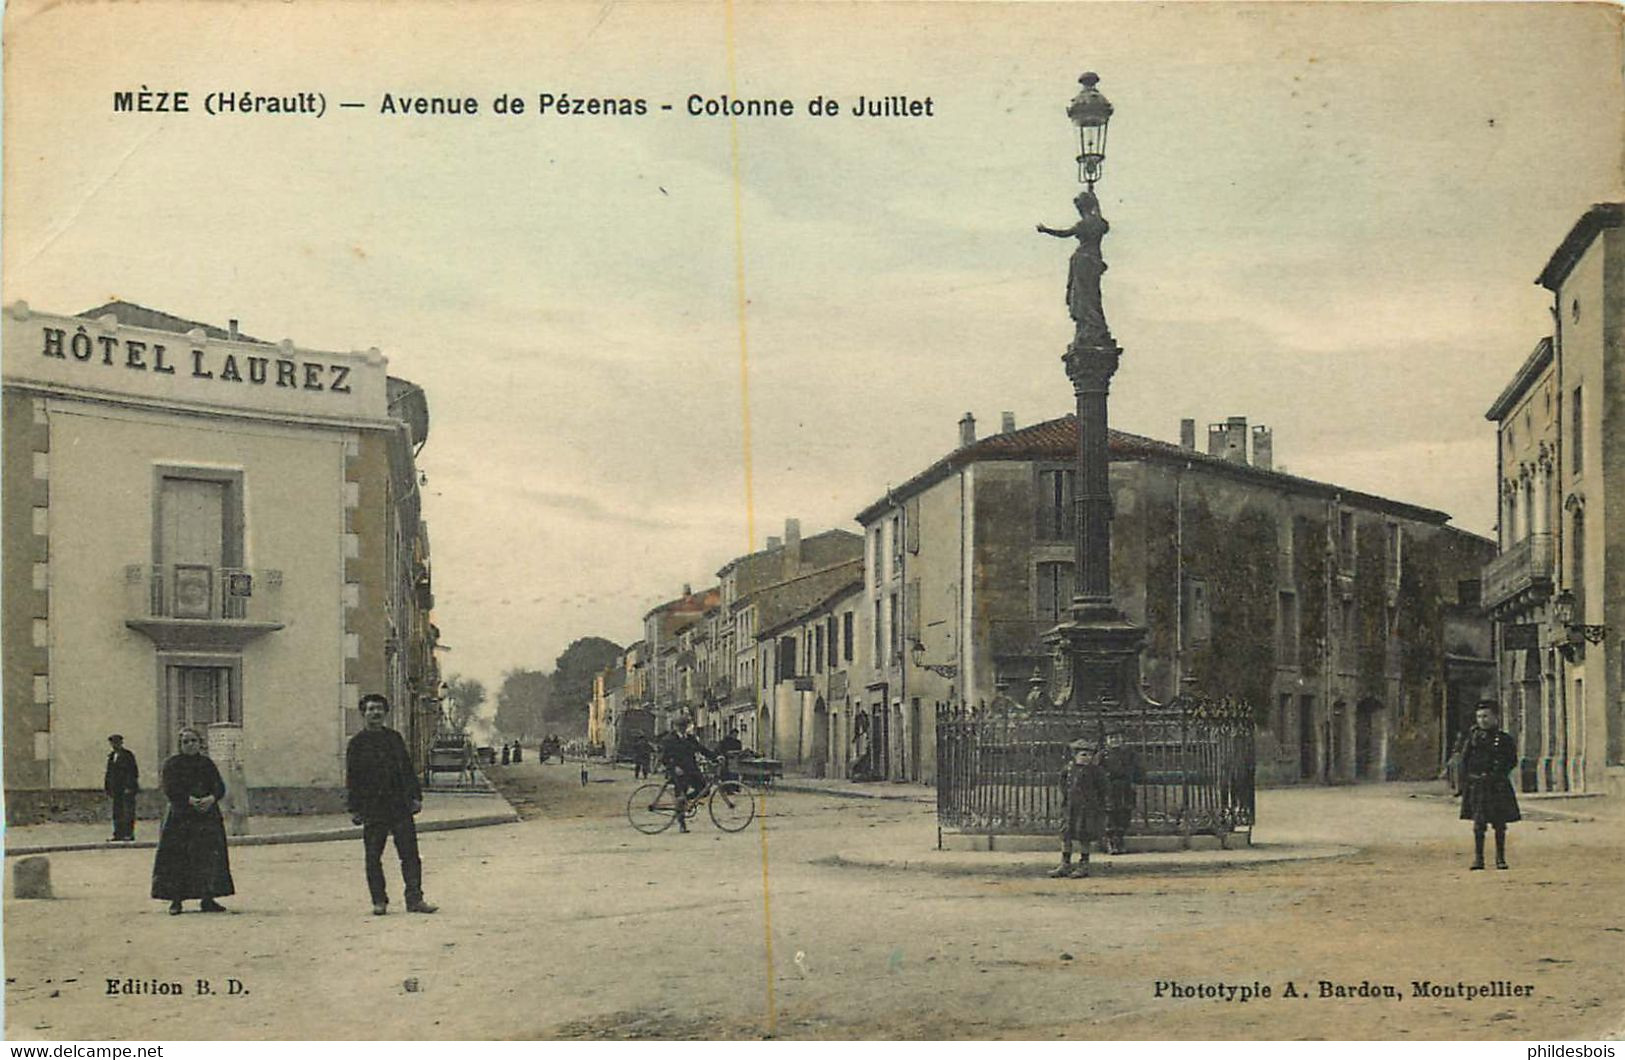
(652, 808)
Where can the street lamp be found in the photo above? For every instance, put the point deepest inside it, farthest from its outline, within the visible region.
(1573, 634)
(1096, 648)
(1090, 112)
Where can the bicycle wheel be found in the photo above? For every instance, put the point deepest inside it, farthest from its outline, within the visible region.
(732, 805)
(651, 809)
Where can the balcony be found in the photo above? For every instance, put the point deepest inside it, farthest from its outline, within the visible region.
(195, 607)
(1520, 576)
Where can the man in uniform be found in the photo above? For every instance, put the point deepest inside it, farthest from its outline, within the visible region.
(1487, 798)
(121, 782)
(679, 753)
(1083, 802)
(1124, 774)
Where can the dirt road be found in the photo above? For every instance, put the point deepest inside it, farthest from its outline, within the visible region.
(570, 924)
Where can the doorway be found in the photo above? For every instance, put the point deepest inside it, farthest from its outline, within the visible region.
(1306, 737)
(197, 694)
(1365, 739)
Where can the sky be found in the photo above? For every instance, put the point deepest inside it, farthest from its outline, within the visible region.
(648, 340)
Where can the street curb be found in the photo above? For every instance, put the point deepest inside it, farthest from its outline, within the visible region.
(1100, 867)
(924, 798)
(328, 835)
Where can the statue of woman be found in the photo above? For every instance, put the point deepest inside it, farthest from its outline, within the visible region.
(1083, 277)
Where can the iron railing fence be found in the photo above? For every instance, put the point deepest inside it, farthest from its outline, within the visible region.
(999, 767)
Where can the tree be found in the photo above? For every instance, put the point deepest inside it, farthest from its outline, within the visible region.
(522, 703)
(573, 673)
(464, 696)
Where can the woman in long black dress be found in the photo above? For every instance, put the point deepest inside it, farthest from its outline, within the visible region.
(192, 860)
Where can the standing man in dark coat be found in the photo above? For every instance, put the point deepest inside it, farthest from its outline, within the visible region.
(384, 796)
(1487, 798)
(121, 782)
(1124, 775)
(1083, 804)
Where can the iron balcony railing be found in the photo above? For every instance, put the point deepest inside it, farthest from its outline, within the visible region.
(203, 593)
(1525, 567)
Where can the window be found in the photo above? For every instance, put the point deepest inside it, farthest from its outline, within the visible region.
(875, 557)
(818, 650)
(896, 543)
(787, 659)
(1396, 540)
(911, 524)
(895, 641)
(834, 654)
(1577, 435)
(879, 633)
(1283, 710)
(1577, 565)
(1054, 597)
(1197, 618)
(847, 625)
(1286, 626)
(1345, 540)
(1055, 504)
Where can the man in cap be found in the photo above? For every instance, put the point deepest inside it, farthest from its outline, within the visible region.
(121, 782)
(1487, 798)
(1083, 803)
(679, 753)
(1124, 774)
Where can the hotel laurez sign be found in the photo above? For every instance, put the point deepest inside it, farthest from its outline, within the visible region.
(102, 356)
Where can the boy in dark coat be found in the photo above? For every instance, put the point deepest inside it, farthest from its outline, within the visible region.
(1083, 803)
(384, 796)
(1487, 798)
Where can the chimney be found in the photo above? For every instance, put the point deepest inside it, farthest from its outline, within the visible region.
(1007, 423)
(1264, 448)
(967, 430)
(773, 543)
(1228, 440)
(1187, 434)
(688, 589)
(792, 547)
(231, 328)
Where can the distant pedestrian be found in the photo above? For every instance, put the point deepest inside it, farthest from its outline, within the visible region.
(121, 782)
(1083, 804)
(1124, 775)
(584, 777)
(640, 756)
(384, 796)
(518, 752)
(1487, 798)
(729, 749)
(191, 861)
(505, 753)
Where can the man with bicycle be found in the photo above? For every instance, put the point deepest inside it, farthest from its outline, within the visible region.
(680, 751)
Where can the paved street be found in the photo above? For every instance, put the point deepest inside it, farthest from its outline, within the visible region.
(570, 924)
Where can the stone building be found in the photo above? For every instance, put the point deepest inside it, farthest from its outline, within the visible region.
(807, 640)
(204, 529)
(1346, 619)
(1555, 590)
(742, 680)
